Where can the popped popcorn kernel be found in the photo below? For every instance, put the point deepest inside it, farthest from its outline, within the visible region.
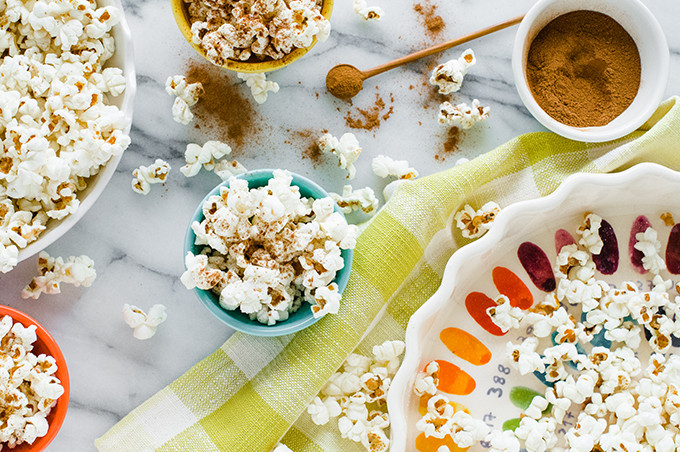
(187, 95)
(351, 200)
(76, 270)
(346, 149)
(209, 157)
(462, 115)
(474, 224)
(259, 86)
(367, 13)
(448, 77)
(145, 176)
(143, 324)
(384, 166)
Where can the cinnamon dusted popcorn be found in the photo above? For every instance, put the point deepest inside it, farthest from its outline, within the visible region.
(462, 115)
(448, 77)
(357, 396)
(187, 95)
(30, 388)
(145, 176)
(607, 364)
(346, 149)
(267, 250)
(255, 30)
(78, 271)
(57, 128)
(367, 13)
(143, 324)
(259, 86)
(362, 199)
(474, 224)
(384, 166)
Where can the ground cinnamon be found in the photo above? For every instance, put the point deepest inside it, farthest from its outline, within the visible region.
(434, 24)
(370, 118)
(583, 69)
(344, 81)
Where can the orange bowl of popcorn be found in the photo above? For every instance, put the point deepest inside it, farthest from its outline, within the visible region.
(44, 345)
(253, 59)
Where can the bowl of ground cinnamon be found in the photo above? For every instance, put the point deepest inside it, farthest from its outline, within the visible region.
(591, 70)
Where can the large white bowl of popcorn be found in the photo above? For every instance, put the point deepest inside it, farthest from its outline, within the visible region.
(558, 329)
(67, 85)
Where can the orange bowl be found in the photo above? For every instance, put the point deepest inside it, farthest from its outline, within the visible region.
(47, 345)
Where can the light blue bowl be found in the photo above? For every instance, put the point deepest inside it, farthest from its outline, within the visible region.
(300, 319)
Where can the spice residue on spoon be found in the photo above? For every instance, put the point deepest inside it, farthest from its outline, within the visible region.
(583, 69)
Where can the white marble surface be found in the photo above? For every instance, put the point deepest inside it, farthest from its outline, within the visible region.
(136, 241)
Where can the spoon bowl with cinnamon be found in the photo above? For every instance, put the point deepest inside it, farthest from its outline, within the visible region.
(590, 70)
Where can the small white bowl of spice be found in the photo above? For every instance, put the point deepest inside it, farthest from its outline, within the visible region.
(590, 70)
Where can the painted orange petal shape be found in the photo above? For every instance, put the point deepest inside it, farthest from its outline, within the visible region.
(510, 285)
(465, 346)
(476, 304)
(454, 380)
(432, 444)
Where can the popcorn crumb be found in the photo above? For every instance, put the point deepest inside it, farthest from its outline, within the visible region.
(667, 219)
(474, 224)
(144, 324)
(383, 166)
(144, 177)
(350, 200)
(187, 95)
(259, 86)
(462, 115)
(367, 13)
(78, 271)
(448, 77)
(346, 149)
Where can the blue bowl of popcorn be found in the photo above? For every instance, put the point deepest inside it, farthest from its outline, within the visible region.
(268, 252)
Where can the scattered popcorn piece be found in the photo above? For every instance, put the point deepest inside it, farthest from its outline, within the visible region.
(225, 169)
(449, 76)
(206, 156)
(367, 13)
(187, 95)
(462, 115)
(78, 271)
(426, 382)
(30, 387)
(144, 177)
(504, 315)
(259, 86)
(474, 224)
(590, 234)
(461, 161)
(384, 166)
(268, 249)
(144, 324)
(350, 200)
(667, 219)
(650, 246)
(346, 149)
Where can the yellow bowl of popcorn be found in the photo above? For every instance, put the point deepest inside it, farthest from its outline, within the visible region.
(272, 58)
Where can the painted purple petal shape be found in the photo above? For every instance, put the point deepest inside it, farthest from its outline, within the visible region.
(563, 238)
(537, 265)
(608, 260)
(640, 224)
(673, 251)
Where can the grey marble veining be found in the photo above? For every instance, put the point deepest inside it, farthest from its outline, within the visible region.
(136, 241)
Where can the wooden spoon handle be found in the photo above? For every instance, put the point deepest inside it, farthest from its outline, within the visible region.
(439, 47)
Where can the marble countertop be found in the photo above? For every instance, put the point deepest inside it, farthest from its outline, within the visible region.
(136, 241)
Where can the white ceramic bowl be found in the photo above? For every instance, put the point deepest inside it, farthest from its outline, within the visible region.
(124, 59)
(646, 189)
(654, 55)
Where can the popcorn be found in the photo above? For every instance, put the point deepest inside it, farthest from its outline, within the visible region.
(243, 29)
(426, 382)
(504, 315)
(589, 232)
(259, 86)
(145, 176)
(449, 76)
(346, 149)
(360, 381)
(56, 125)
(207, 156)
(350, 200)
(187, 95)
(268, 249)
(367, 13)
(383, 166)
(30, 388)
(474, 224)
(78, 271)
(144, 324)
(462, 115)
(225, 169)
(650, 246)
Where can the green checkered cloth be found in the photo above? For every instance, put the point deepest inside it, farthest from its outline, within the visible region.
(252, 392)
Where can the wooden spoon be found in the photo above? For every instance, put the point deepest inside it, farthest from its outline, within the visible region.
(344, 81)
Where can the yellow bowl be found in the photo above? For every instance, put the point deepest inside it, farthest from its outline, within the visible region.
(181, 14)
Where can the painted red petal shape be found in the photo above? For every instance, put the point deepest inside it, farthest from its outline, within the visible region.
(511, 286)
(640, 224)
(476, 304)
(563, 238)
(537, 265)
(673, 251)
(608, 260)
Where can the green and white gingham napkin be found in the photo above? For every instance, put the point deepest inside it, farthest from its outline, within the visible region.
(252, 392)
